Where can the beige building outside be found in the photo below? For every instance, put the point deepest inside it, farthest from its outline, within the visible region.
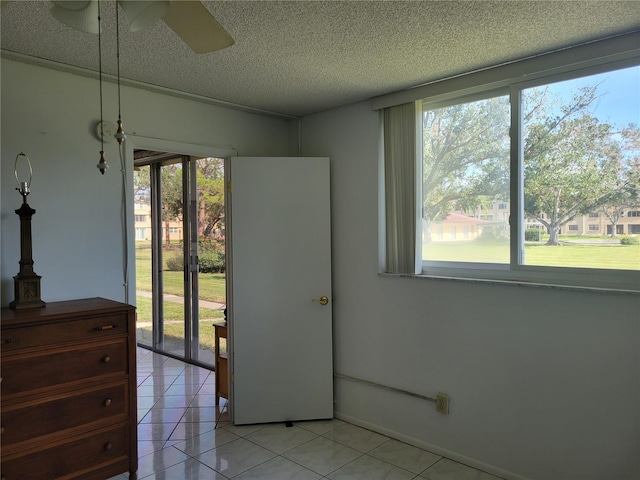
(460, 225)
(142, 219)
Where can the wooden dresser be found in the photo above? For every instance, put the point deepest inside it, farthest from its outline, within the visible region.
(68, 407)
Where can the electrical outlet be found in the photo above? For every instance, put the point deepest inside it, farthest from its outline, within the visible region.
(442, 403)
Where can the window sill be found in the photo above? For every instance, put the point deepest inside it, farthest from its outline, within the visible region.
(520, 283)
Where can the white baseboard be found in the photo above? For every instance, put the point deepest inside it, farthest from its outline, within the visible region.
(498, 472)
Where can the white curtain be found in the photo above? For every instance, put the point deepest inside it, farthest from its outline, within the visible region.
(400, 187)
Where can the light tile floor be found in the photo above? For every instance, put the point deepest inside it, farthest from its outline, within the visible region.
(178, 439)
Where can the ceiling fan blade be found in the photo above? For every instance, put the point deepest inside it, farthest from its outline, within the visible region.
(143, 14)
(82, 15)
(197, 27)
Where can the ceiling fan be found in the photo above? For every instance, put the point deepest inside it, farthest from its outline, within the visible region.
(190, 20)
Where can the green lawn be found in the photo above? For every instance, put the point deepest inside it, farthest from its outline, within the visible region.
(619, 257)
(212, 286)
(604, 255)
(172, 311)
(174, 316)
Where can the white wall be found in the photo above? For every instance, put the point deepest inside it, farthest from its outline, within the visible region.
(544, 383)
(77, 230)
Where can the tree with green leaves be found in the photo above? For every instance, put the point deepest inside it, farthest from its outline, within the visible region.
(465, 157)
(171, 193)
(211, 189)
(625, 193)
(574, 163)
(172, 204)
(210, 201)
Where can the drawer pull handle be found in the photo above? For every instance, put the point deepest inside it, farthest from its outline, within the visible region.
(107, 402)
(108, 446)
(106, 327)
(106, 359)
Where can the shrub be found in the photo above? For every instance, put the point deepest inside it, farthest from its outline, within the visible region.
(629, 240)
(532, 235)
(491, 235)
(175, 263)
(211, 256)
(212, 261)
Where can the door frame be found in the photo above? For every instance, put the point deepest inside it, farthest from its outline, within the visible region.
(136, 142)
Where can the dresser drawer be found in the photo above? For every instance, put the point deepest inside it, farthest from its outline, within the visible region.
(76, 458)
(39, 369)
(81, 329)
(50, 415)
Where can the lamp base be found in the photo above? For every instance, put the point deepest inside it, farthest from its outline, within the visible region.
(27, 292)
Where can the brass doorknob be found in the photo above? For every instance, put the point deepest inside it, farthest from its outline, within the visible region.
(323, 300)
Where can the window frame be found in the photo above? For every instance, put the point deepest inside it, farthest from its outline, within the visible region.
(516, 270)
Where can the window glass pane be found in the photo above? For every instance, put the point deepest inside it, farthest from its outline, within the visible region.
(581, 161)
(142, 209)
(173, 328)
(465, 175)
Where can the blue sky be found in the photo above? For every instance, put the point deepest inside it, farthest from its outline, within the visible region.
(620, 104)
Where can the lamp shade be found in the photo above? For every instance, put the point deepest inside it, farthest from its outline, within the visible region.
(143, 14)
(81, 15)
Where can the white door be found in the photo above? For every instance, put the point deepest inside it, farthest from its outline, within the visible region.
(280, 262)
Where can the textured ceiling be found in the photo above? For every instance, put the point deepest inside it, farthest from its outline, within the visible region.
(302, 57)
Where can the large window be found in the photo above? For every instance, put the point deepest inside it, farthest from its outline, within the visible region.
(512, 163)
(563, 147)
(465, 179)
(581, 154)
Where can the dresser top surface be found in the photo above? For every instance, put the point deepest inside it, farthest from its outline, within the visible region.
(65, 308)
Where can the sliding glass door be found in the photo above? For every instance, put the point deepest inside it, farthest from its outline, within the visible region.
(179, 214)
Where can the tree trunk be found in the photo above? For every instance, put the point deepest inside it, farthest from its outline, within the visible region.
(201, 218)
(426, 231)
(554, 235)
